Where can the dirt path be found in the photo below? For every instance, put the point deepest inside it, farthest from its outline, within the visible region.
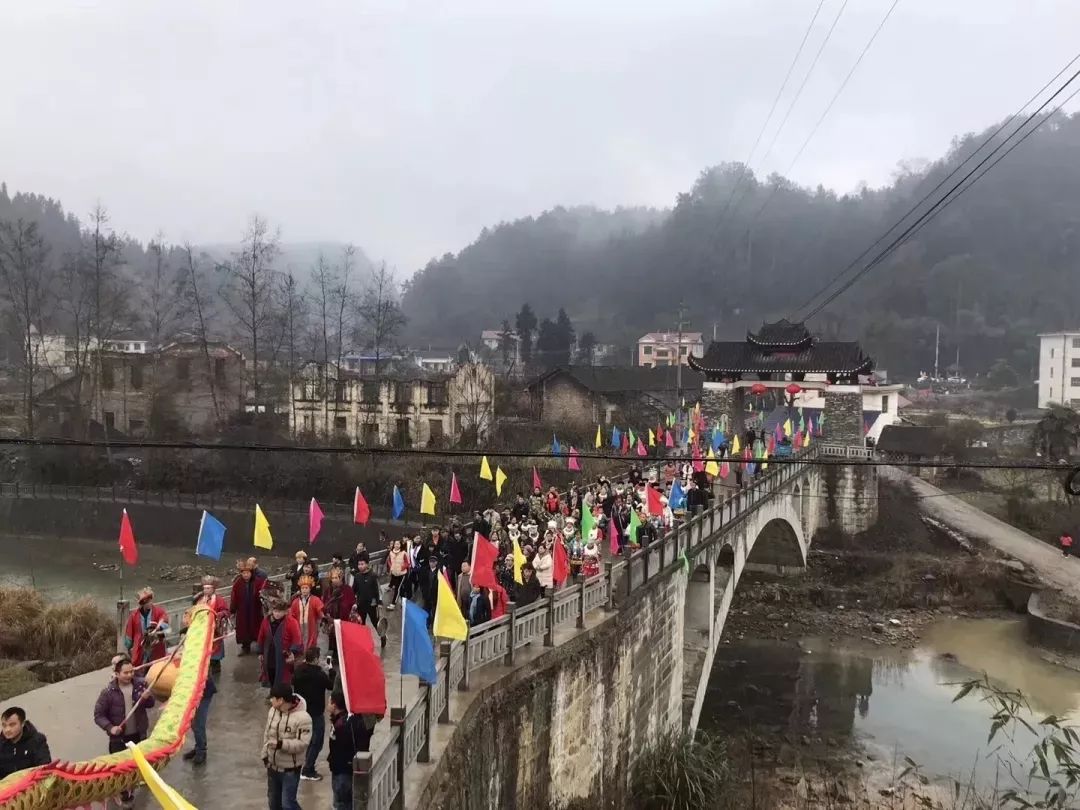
(1061, 572)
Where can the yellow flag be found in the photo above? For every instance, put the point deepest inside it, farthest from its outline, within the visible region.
(598, 439)
(787, 427)
(652, 438)
(427, 501)
(500, 479)
(806, 439)
(449, 623)
(168, 798)
(485, 469)
(735, 448)
(519, 563)
(711, 467)
(690, 435)
(263, 539)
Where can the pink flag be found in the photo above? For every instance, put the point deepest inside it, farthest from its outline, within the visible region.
(699, 465)
(798, 438)
(641, 451)
(573, 465)
(613, 535)
(779, 432)
(668, 440)
(725, 470)
(455, 493)
(625, 444)
(315, 516)
(536, 480)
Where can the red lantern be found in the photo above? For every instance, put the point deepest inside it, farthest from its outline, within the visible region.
(793, 389)
(757, 389)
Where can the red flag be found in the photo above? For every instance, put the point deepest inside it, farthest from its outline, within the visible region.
(798, 438)
(362, 679)
(455, 493)
(656, 507)
(573, 465)
(625, 444)
(561, 569)
(699, 465)
(669, 441)
(361, 512)
(613, 538)
(725, 470)
(641, 451)
(484, 555)
(128, 549)
(772, 444)
(536, 480)
(315, 517)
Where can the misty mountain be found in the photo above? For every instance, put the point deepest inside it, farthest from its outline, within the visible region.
(993, 269)
(299, 257)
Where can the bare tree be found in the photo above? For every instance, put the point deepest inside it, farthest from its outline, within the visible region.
(473, 396)
(345, 294)
(248, 289)
(27, 280)
(164, 305)
(324, 280)
(380, 318)
(200, 306)
(106, 299)
(293, 311)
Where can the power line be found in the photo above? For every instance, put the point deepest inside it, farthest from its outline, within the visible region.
(956, 170)
(828, 108)
(949, 197)
(819, 461)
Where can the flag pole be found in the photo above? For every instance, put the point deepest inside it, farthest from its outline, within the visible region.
(401, 676)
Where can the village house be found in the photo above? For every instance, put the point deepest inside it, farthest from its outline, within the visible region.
(668, 348)
(584, 395)
(176, 389)
(404, 406)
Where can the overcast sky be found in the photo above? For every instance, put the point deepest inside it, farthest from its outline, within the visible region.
(408, 126)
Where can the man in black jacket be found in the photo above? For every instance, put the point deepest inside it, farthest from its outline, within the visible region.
(366, 590)
(22, 745)
(349, 734)
(311, 683)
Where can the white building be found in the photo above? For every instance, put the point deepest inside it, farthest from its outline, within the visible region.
(881, 404)
(662, 348)
(1059, 369)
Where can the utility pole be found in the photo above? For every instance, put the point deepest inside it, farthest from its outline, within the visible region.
(937, 350)
(678, 352)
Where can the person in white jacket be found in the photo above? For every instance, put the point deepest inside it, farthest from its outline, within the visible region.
(545, 568)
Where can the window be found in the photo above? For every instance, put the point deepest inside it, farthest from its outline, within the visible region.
(340, 424)
(402, 393)
(1051, 353)
(219, 369)
(136, 377)
(107, 380)
(110, 420)
(885, 404)
(369, 393)
(437, 395)
(1076, 362)
(370, 434)
(135, 425)
(1075, 382)
(307, 422)
(341, 391)
(459, 423)
(646, 349)
(183, 369)
(401, 433)
(435, 430)
(1051, 372)
(683, 349)
(1076, 343)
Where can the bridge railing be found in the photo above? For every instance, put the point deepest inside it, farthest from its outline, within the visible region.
(379, 776)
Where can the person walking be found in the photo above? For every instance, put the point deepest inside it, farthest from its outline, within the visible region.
(544, 565)
(245, 604)
(285, 742)
(279, 643)
(349, 735)
(21, 746)
(397, 561)
(208, 596)
(1066, 543)
(144, 634)
(464, 587)
(197, 755)
(312, 683)
(366, 589)
(120, 711)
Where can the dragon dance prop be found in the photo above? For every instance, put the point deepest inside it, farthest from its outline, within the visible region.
(64, 785)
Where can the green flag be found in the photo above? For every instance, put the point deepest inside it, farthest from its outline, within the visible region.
(633, 439)
(685, 561)
(632, 530)
(587, 523)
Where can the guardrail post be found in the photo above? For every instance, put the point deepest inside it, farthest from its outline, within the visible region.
(16, 489)
(645, 563)
(424, 754)
(609, 575)
(361, 778)
(627, 553)
(464, 685)
(444, 651)
(397, 720)
(549, 636)
(123, 610)
(581, 608)
(511, 609)
(663, 547)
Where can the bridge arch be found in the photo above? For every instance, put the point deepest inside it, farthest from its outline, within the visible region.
(779, 543)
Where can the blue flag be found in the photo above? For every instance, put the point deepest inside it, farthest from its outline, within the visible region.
(211, 537)
(399, 504)
(555, 449)
(417, 653)
(616, 438)
(677, 498)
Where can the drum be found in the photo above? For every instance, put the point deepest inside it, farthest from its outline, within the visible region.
(161, 675)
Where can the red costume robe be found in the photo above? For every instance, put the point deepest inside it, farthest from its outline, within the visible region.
(285, 639)
(246, 607)
(133, 635)
(314, 610)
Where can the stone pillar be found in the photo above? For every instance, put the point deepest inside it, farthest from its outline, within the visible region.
(719, 399)
(844, 416)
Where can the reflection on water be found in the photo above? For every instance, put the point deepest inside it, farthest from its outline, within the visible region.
(895, 702)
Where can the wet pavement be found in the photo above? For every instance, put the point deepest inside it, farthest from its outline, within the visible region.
(233, 775)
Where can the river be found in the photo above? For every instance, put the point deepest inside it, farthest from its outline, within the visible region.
(891, 703)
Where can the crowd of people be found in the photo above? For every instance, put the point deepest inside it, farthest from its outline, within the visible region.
(541, 546)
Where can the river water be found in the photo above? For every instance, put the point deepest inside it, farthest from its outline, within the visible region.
(891, 703)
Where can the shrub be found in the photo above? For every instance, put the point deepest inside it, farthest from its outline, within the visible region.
(679, 772)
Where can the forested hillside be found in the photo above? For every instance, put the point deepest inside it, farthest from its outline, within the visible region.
(996, 267)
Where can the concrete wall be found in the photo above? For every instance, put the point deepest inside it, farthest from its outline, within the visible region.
(720, 399)
(850, 497)
(1049, 632)
(844, 415)
(564, 401)
(567, 726)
